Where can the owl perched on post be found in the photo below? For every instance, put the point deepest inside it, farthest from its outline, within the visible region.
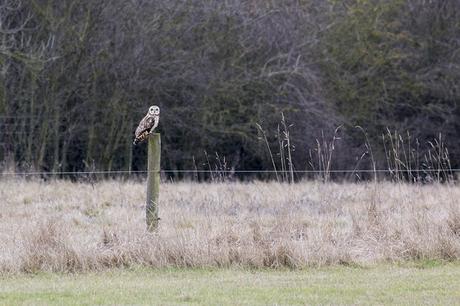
(147, 124)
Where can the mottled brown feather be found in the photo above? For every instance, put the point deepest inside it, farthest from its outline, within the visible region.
(145, 126)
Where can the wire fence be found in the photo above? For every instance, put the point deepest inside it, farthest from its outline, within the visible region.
(222, 172)
(109, 172)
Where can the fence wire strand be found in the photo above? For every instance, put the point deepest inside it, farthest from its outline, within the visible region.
(51, 173)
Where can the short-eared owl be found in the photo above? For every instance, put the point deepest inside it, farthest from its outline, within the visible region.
(147, 124)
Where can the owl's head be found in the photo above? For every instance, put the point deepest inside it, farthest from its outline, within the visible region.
(154, 110)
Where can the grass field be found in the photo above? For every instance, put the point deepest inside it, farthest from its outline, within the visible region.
(385, 284)
(233, 243)
(76, 227)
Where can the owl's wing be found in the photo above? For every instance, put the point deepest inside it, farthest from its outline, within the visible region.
(145, 125)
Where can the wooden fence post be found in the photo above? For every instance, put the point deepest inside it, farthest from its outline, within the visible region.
(153, 181)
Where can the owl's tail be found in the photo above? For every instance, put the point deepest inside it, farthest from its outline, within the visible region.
(140, 138)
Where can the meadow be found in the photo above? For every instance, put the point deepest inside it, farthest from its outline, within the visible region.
(415, 284)
(67, 227)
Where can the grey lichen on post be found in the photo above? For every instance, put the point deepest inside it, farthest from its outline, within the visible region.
(153, 181)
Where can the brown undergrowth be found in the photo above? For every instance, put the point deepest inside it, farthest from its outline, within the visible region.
(73, 227)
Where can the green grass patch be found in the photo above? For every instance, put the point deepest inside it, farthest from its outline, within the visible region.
(386, 284)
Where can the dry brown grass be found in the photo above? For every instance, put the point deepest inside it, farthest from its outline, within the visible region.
(69, 227)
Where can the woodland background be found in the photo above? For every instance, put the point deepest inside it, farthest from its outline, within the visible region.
(76, 76)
